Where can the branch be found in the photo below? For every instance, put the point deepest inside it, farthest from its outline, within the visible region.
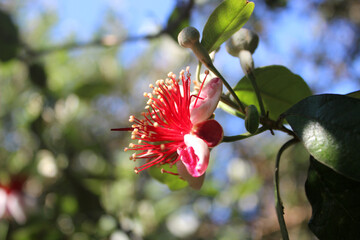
(105, 41)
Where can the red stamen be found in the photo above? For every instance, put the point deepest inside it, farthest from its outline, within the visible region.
(202, 84)
(172, 173)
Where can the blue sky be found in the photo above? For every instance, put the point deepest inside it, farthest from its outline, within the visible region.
(298, 29)
(87, 16)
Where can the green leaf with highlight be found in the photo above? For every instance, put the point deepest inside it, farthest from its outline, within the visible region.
(226, 19)
(329, 128)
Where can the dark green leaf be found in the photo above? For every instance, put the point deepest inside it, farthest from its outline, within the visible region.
(173, 182)
(279, 88)
(354, 94)
(335, 202)
(9, 37)
(179, 19)
(37, 74)
(226, 19)
(328, 125)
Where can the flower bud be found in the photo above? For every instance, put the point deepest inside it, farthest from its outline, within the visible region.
(243, 39)
(252, 119)
(188, 37)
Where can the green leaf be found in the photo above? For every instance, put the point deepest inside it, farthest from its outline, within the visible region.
(173, 182)
(226, 19)
(328, 125)
(91, 89)
(335, 202)
(278, 86)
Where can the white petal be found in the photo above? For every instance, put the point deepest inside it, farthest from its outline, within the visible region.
(3, 199)
(16, 207)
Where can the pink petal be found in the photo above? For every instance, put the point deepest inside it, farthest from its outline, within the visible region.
(207, 101)
(195, 156)
(194, 182)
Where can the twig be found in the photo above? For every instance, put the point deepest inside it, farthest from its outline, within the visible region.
(278, 203)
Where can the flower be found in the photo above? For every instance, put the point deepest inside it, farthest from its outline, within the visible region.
(176, 129)
(12, 204)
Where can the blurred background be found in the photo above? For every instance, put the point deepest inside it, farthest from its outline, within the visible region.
(72, 70)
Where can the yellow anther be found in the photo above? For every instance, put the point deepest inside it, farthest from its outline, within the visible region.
(131, 145)
(125, 149)
(156, 124)
(139, 141)
(151, 85)
(188, 68)
(162, 147)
